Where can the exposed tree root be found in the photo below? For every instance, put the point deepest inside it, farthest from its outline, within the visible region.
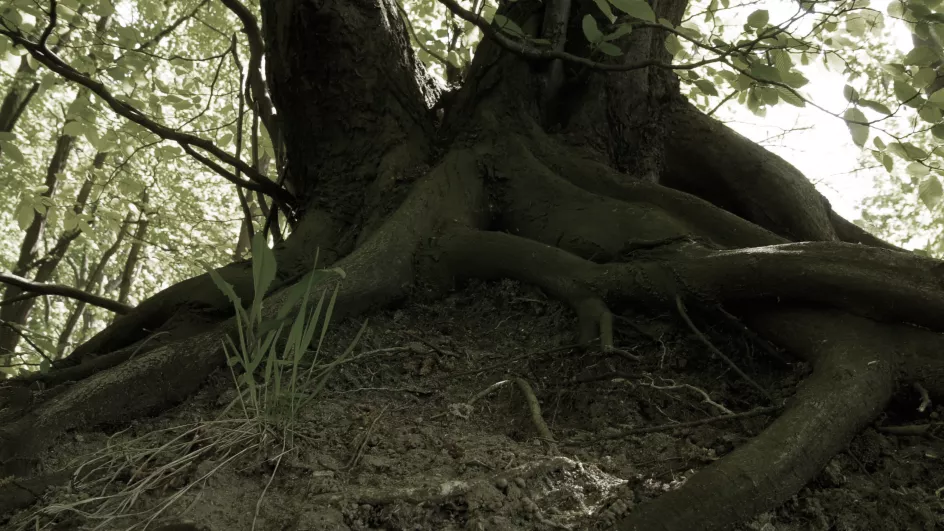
(853, 378)
(622, 434)
(708, 159)
(855, 359)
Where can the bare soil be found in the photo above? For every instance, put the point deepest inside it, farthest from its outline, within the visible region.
(394, 444)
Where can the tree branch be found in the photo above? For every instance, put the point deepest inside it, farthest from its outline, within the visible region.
(258, 181)
(530, 52)
(64, 291)
(260, 94)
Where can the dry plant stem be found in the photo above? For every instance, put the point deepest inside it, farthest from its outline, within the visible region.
(704, 395)
(278, 461)
(363, 442)
(713, 349)
(675, 425)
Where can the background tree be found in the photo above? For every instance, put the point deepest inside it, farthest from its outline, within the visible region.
(568, 148)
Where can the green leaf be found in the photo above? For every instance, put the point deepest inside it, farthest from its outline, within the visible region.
(921, 56)
(590, 29)
(888, 162)
(924, 77)
(794, 79)
(790, 97)
(765, 73)
(904, 92)
(13, 153)
(860, 132)
(635, 8)
(673, 45)
(850, 94)
(938, 131)
(24, 215)
(610, 49)
(605, 8)
(937, 97)
(223, 286)
(907, 151)
(758, 19)
(856, 26)
(621, 31)
(916, 169)
(73, 128)
(930, 192)
(707, 87)
(768, 95)
(875, 106)
(930, 113)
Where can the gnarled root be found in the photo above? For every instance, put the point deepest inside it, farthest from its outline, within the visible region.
(853, 379)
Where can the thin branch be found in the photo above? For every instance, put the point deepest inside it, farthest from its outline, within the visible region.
(65, 291)
(712, 348)
(26, 338)
(57, 65)
(409, 25)
(257, 84)
(53, 18)
(247, 213)
(170, 29)
(530, 52)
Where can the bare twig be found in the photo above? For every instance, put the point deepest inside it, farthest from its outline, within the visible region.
(363, 443)
(677, 425)
(713, 349)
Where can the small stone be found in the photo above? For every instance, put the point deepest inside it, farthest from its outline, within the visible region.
(520, 482)
(502, 483)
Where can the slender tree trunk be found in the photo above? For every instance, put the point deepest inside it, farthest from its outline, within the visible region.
(130, 268)
(18, 312)
(92, 285)
(25, 86)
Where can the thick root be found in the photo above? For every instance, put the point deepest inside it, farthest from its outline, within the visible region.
(853, 379)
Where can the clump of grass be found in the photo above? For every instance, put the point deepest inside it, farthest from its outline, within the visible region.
(274, 396)
(275, 363)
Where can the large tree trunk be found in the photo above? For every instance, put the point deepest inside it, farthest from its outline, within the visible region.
(607, 191)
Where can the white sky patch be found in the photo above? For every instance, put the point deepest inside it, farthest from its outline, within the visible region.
(820, 145)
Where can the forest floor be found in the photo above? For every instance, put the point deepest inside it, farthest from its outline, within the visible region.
(393, 442)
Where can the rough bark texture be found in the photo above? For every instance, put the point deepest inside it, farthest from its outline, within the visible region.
(611, 191)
